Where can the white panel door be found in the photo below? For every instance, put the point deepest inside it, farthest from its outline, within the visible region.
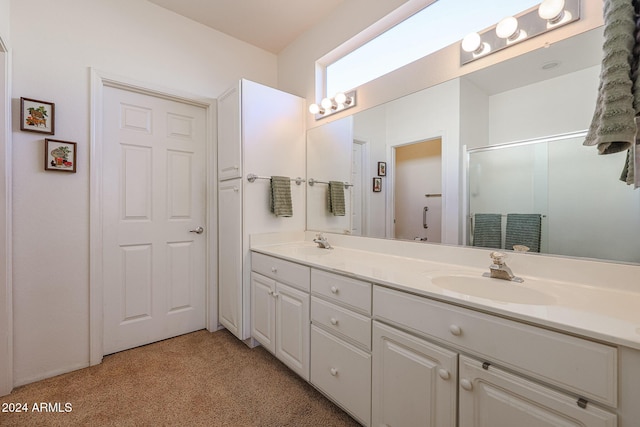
(229, 138)
(230, 289)
(495, 398)
(414, 381)
(292, 328)
(154, 197)
(263, 320)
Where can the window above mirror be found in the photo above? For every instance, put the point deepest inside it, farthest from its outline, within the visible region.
(421, 34)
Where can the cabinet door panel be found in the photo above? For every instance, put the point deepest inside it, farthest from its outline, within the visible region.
(414, 381)
(229, 139)
(494, 398)
(263, 311)
(230, 313)
(342, 372)
(292, 329)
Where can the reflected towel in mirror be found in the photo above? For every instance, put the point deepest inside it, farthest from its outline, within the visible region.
(523, 229)
(336, 198)
(280, 196)
(487, 230)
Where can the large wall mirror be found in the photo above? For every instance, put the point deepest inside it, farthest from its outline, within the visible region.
(503, 140)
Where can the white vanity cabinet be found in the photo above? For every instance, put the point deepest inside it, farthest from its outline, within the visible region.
(414, 381)
(513, 375)
(280, 310)
(341, 341)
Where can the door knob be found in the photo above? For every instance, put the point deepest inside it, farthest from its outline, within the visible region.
(197, 230)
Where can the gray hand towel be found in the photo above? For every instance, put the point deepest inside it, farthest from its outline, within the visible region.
(612, 127)
(280, 196)
(487, 231)
(336, 198)
(523, 229)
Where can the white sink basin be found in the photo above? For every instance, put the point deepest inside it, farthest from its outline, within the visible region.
(492, 289)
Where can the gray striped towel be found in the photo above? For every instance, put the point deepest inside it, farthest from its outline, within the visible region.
(523, 229)
(336, 198)
(280, 196)
(487, 231)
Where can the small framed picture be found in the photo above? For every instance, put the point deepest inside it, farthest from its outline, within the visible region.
(37, 116)
(59, 155)
(377, 185)
(382, 168)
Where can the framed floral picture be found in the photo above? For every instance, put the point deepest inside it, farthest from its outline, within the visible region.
(37, 116)
(377, 185)
(59, 155)
(382, 168)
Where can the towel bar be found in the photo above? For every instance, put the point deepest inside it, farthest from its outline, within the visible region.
(315, 181)
(252, 177)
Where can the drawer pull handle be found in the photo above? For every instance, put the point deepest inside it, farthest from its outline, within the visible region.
(334, 290)
(274, 270)
(334, 372)
(276, 295)
(466, 384)
(334, 321)
(270, 292)
(444, 374)
(455, 330)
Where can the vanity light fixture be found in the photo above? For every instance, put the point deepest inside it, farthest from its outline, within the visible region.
(508, 29)
(473, 43)
(340, 101)
(547, 16)
(553, 12)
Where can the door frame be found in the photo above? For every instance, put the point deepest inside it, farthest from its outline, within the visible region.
(100, 80)
(391, 202)
(6, 171)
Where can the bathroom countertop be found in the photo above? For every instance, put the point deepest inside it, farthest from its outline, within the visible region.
(605, 314)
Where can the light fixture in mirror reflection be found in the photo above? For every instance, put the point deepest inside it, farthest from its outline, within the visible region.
(515, 100)
(549, 15)
(340, 102)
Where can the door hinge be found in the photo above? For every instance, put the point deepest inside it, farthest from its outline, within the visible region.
(583, 403)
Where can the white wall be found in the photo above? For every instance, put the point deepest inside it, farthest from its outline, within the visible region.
(132, 38)
(5, 9)
(532, 111)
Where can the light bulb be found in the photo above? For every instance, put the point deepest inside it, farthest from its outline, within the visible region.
(340, 98)
(472, 43)
(507, 28)
(315, 109)
(326, 103)
(551, 10)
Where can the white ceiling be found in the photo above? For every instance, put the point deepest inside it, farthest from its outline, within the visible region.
(267, 24)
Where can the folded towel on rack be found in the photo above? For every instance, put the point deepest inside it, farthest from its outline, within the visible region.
(280, 196)
(336, 198)
(487, 231)
(523, 229)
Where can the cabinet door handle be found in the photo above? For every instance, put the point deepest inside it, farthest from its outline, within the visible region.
(274, 270)
(276, 295)
(334, 372)
(334, 321)
(444, 374)
(466, 384)
(236, 189)
(455, 330)
(334, 290)
(270, 292)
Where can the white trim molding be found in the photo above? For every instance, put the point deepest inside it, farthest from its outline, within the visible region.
(100, 80)
(6, 250)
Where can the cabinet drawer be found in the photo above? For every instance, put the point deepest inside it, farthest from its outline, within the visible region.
(584, 367)
(342, 372)
(353, 293)
(342, 321)
(295, 275)
(495, 398)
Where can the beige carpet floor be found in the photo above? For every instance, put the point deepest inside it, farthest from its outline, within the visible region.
(198, 379)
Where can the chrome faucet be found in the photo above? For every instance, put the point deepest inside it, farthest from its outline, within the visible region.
(322, 241)
(499, 269)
